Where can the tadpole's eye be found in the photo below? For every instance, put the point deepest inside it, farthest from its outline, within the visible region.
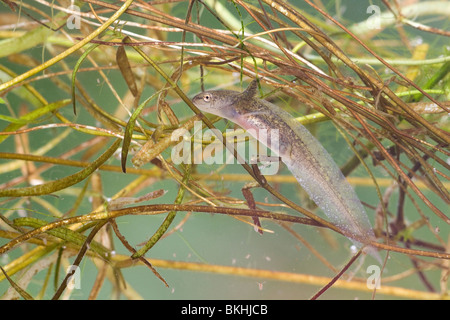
(207, 97)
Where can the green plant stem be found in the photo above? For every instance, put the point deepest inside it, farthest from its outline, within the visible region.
(64, 234)
(33, 116)
(167, 221)
(62, 183)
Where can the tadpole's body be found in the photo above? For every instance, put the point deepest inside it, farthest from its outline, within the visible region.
(302, 153)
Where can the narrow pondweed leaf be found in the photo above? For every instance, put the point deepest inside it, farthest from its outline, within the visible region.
(62, 183)
(125, 69)
(75, 70)
(167, 221)
(31, 117)
(12, 120)
(16, 287)
(63, 233)
(434, 79)
(129, 131)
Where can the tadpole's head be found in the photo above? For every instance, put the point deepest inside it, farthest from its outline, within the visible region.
(217, 102)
